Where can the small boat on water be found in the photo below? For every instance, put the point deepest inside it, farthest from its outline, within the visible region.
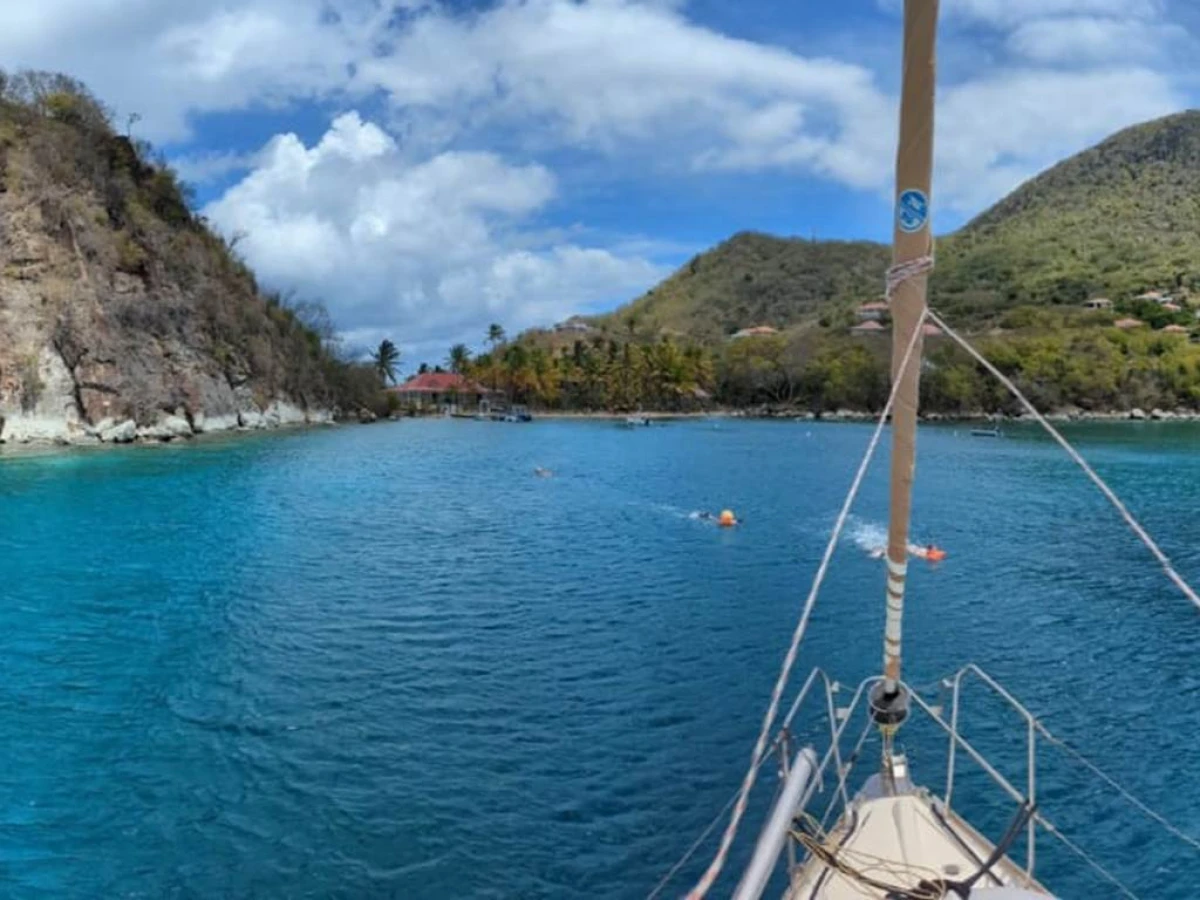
(635, 422)
(986, 432)
(516, 413)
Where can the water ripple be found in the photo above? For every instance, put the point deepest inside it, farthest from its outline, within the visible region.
(389, 662)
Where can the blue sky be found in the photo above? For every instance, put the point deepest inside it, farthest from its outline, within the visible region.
(428, 167)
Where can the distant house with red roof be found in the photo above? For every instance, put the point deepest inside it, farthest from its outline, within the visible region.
(435, 390)
(1126, 324)
(756, 331)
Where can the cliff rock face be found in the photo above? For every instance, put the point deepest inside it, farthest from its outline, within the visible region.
(121, 315)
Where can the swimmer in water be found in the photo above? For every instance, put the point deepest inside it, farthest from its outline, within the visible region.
(705, 516)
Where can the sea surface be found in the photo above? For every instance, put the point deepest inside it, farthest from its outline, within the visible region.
(390, 661)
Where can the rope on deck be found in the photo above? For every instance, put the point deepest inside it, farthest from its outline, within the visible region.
(1108, 492)
(743, 797)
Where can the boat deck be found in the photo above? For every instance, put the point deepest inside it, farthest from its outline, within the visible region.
(903, 840)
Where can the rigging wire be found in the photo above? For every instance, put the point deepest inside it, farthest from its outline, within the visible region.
(1111, 782)
(1133, 523)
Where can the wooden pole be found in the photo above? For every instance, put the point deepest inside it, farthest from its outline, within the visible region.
(912, 240)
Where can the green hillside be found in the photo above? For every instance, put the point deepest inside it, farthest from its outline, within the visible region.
(1115, 220)
(756, 279)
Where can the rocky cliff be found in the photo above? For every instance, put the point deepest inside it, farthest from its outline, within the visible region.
(122, 316)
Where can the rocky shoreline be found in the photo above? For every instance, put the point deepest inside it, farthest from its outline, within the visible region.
(1070, 414)
(1062, 415)
(36, 429)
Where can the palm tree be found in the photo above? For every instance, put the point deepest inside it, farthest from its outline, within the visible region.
(459, 359)
(386, 359)
(495, 334)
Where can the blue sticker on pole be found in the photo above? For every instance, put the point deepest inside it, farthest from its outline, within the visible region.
(912, 210)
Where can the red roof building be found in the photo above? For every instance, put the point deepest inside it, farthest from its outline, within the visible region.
(756, 331)
(435, 383)
(1126, 324)
(437, 389)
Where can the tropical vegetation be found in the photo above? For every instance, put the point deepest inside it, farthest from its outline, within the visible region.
(386, 359)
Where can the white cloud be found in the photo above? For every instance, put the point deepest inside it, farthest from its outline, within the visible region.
(1077, 40)
(424, 252)
(635, 82)
(995, 133)
(621, 76)
(167, 60)
(413, 229)
(1011, 13)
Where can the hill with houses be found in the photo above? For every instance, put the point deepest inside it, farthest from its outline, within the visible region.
(1119, 221)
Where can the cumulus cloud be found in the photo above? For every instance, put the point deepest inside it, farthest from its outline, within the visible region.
(420, 220)
(625, 77)
(1011, 13)
(167, 61)
(422, 252)
(1075, 40)
(620, 77)
(992, 131)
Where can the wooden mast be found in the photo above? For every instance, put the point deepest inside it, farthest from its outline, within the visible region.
(912, 244)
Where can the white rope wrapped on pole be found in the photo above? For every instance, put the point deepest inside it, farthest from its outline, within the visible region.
(739, 809)
(1108, 492)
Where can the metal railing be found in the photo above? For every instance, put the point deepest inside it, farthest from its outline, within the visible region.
(841, 717)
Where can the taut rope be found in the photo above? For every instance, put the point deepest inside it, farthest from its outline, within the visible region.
(1108, 492)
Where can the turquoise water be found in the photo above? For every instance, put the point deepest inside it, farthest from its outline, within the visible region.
(388, 661)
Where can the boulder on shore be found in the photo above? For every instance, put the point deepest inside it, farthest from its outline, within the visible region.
(167, 428)
(123, 432)
(251, 418)
(1137, 413)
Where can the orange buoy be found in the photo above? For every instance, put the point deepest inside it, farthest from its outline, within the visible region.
(934, 554)
(727, 518)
